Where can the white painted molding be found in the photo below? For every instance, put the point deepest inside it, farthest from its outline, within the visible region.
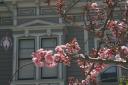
(86, 41)
(36, 22)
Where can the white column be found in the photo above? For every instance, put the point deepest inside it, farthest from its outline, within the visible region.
(14, 15)
(37, 7)
(60, 20)
(86, 41)
(14, 58)
(37, 68)
(60, 65)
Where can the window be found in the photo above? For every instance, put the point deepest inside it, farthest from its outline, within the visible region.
(124, 72)
(117, 14)
(26, 11)
(6, 20)
(25, 48)
(109, 75)
(48, 11)
(49, 44)
(90, 41)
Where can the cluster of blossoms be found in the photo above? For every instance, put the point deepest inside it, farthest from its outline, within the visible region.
(94, 15)
(91, 77)
(62, 53)
(116, 27)
(110, 3)
(43, 58)
(59, 5)
(123, 51)
(118, 54)
(105, 53)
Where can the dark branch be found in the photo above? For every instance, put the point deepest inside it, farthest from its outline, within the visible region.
(105, 61)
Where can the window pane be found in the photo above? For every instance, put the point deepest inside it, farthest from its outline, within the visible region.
(26, 53)
(124, 72)
(111, 70)
(48, 42)
(26, 11)
(90, 41)
(6, 20)
(27, 72)
(27, 43)
(26, 47)
(47, 11)
(110, 75)
(49, 72)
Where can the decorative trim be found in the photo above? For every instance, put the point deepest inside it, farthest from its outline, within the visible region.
(35, 22)
(6, 42)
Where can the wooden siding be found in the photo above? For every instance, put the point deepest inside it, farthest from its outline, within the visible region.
(5, 59)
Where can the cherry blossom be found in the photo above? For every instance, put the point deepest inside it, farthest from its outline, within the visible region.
(72, 47)
(94, 5)
(43, 58)
(117, 27)
(105, 53)
(59, 5)
(123, 51)
(114, 49)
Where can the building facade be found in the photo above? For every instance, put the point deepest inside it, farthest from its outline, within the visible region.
(28, 26)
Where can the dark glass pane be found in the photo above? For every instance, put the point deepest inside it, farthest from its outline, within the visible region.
(109, 75)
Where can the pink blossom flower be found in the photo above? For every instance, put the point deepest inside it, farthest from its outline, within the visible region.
(62, 58)
(43, 58)
(72, 47)
(94, 5)
(111, 24)
(124, 50)
(59, 5)
(105, 53)
(60, 48)
(85, 82)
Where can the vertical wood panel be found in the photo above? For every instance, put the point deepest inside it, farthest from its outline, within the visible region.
(6, 51)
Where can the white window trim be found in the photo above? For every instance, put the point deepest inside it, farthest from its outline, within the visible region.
(86, 41)
(96, 42)
(37, 81)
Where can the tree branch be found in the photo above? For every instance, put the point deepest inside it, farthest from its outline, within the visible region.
(105, 61)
